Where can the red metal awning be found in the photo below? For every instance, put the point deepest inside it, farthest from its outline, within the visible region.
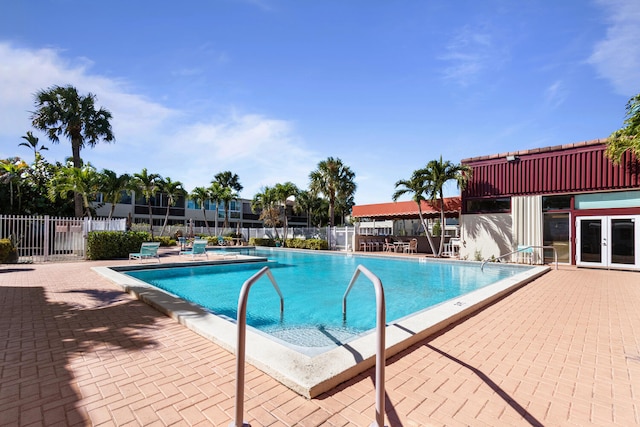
(407, 209)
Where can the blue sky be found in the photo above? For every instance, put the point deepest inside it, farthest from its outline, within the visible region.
(268, 88)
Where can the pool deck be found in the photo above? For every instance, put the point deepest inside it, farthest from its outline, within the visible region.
(563, 350)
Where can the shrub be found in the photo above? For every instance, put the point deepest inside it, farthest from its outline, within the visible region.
(115, 244)
(313, 244)
(316, 244)
(259, 241)
(8, 253)
(165, 241)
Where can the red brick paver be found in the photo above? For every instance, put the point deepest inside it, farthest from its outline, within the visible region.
(74, 350)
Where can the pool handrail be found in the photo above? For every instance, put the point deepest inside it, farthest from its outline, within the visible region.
(523, 249)
(240, 347)
(380, 337)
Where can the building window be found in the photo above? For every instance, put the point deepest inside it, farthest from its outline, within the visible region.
(497, 205)
(556, 203)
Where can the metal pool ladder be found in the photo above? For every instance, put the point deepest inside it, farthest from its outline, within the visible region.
(240, 347)
(380, 337)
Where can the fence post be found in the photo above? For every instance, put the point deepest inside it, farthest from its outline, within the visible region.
(47, 235)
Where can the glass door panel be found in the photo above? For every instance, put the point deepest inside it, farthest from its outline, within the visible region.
(623, 243)
(590, 249)
(555, 233)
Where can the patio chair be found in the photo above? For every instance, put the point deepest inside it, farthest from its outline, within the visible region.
(147, 250)
(198, 247)
(388, 245)
(412, 247)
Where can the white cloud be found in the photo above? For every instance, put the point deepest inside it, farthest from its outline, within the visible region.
(555, 94)
(469, 53)
(617, 56)
(184, 146)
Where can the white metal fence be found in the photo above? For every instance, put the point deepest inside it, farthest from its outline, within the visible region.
(45, 238)
(339, 238)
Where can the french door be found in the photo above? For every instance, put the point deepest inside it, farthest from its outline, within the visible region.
(608, 241)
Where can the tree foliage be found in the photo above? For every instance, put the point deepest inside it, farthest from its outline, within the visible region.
(628, 137)
(335, 181)
(427, 184)
(62, 111)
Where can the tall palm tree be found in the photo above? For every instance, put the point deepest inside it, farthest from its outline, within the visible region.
(112, 186)
(32, 143)
(173, 191)
(84, 181)
(63, 111)
(227, 195)
(418, 186)
(282, 193)
(333, 179)
(200, 195)
(11, 171)
(146, 184)
(230, 181)
(439, 172)
(216, 192)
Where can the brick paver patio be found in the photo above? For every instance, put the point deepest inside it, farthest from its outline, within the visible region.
(75, 350)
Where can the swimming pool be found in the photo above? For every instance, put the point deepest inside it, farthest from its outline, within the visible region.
(313, 285)
(313, 369)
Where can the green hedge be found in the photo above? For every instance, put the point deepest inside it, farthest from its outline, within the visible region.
(313, 244)
(165, 241)
(259, 241)
(115, 244)
(8, 253)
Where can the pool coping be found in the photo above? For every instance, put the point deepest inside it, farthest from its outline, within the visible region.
(310, 376)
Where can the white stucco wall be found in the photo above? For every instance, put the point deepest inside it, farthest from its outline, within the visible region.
(485, 235)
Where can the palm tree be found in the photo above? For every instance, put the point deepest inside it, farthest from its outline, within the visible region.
(439, 172)
(146, 184)
(32, 143)
(230, 181)
(11, 171)
(333, 179)
(306, 203)
(84, 181)
(112, 185)
(173, 191)
(282, 193)
(628, 137)
(216, 192)
(417, 186)
(227, 195)
(266, 202)
(62, 111)
(200, 195)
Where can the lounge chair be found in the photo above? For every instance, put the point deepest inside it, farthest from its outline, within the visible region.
(198, 247)
(147, 250)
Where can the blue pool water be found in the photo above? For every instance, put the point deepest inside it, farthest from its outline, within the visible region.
(313, 285)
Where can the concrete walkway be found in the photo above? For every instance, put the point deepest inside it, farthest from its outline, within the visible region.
(75, 350)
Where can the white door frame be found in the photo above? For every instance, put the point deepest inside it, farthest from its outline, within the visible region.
(606, 242)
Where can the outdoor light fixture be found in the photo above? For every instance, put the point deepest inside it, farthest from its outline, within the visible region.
(511, 158)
